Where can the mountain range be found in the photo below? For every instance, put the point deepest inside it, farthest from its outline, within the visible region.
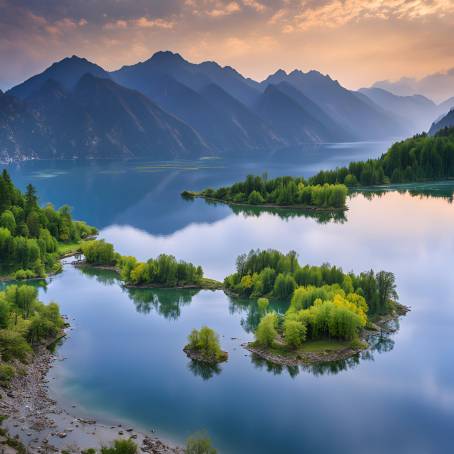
(167, 107)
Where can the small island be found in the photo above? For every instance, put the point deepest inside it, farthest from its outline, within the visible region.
(33, 238)
(331, 313)
(204, 347)
(282, 192)
(162, 272)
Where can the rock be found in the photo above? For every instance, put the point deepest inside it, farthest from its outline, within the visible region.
(62, 434)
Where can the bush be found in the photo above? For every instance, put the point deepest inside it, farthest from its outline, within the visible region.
(121, 447)
(199, 444)
(206, 342)
(266, 333)
(98, 252)
(294, 333)
(7, 372)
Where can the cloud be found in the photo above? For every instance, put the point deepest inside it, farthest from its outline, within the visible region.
(213, 8)
(337, 13)
(141, 22)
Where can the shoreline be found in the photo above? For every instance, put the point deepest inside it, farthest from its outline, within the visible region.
(270, 205)
(42, 425)
(308, 358)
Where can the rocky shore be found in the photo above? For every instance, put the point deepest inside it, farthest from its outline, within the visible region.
(305, 358)
(37, 421)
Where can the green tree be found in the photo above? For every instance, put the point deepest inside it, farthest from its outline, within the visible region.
(199, 444)
(266, 332)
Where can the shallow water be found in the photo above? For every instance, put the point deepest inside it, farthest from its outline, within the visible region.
(124, 356)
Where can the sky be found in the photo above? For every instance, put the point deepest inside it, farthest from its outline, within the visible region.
(355, 41)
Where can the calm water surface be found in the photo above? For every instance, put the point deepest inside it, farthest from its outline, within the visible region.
(123, 355)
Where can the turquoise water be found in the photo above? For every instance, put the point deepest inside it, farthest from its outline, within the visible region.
(124, 358)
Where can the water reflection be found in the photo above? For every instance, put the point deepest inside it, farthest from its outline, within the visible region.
(166, 302)
(204, 370)
(380, 343)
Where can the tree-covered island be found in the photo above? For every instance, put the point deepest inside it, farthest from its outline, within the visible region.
(203, 345)
(331, 313)
(162, 272)
(417, 159)
(34, 238)
(294, 192)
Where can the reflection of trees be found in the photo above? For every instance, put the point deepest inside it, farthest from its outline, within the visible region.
(204, 370)
(322, 217)
(104, 277)
(166, 302)
(380, 343)
(442, 192)
(252, 312)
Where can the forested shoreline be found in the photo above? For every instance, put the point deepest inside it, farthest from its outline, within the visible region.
(293, 192)
(162, 272)
(419, 158)
(32, 238)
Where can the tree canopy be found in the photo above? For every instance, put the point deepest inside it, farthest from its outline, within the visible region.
(30, 235)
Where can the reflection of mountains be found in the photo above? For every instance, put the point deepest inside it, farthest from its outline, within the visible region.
(166, 302)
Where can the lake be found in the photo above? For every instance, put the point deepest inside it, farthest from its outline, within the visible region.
(124, 359)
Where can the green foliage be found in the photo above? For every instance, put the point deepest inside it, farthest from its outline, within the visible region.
(294, 332)
(199, 444)
(419, 158)
(98, 252)
(25, 321)
(206, 342)
(164, 271)
(269, 273)
(121, 447)
(263, 304)
(266, 332)
(29, 234)
(7, 372)
(283, 191)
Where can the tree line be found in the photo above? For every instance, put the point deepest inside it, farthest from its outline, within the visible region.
(418, 158)
(163, 271)
(30, 235)
(270, 273)
(281, 191)
(24, 322)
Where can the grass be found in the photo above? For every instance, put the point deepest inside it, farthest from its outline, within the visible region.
(69, 248)
(210, 284)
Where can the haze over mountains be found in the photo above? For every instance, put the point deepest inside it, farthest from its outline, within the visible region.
(167, 107)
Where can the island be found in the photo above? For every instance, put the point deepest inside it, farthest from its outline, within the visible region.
(203, 346)
(34, 238)
(162, 272)
(282, 192)
(331, 313)
(420, 158)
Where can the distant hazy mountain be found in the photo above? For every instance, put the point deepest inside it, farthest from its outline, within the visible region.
(444, 107)
(66, 72)
(357, 117)
(22, 134)
(416, 111)
(101, 119)
(289, 118)
(168, 107)
(446, 122)
(195, 76)
(437, 86)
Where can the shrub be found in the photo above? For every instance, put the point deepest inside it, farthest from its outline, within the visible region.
(266, 333)
(199, 444)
